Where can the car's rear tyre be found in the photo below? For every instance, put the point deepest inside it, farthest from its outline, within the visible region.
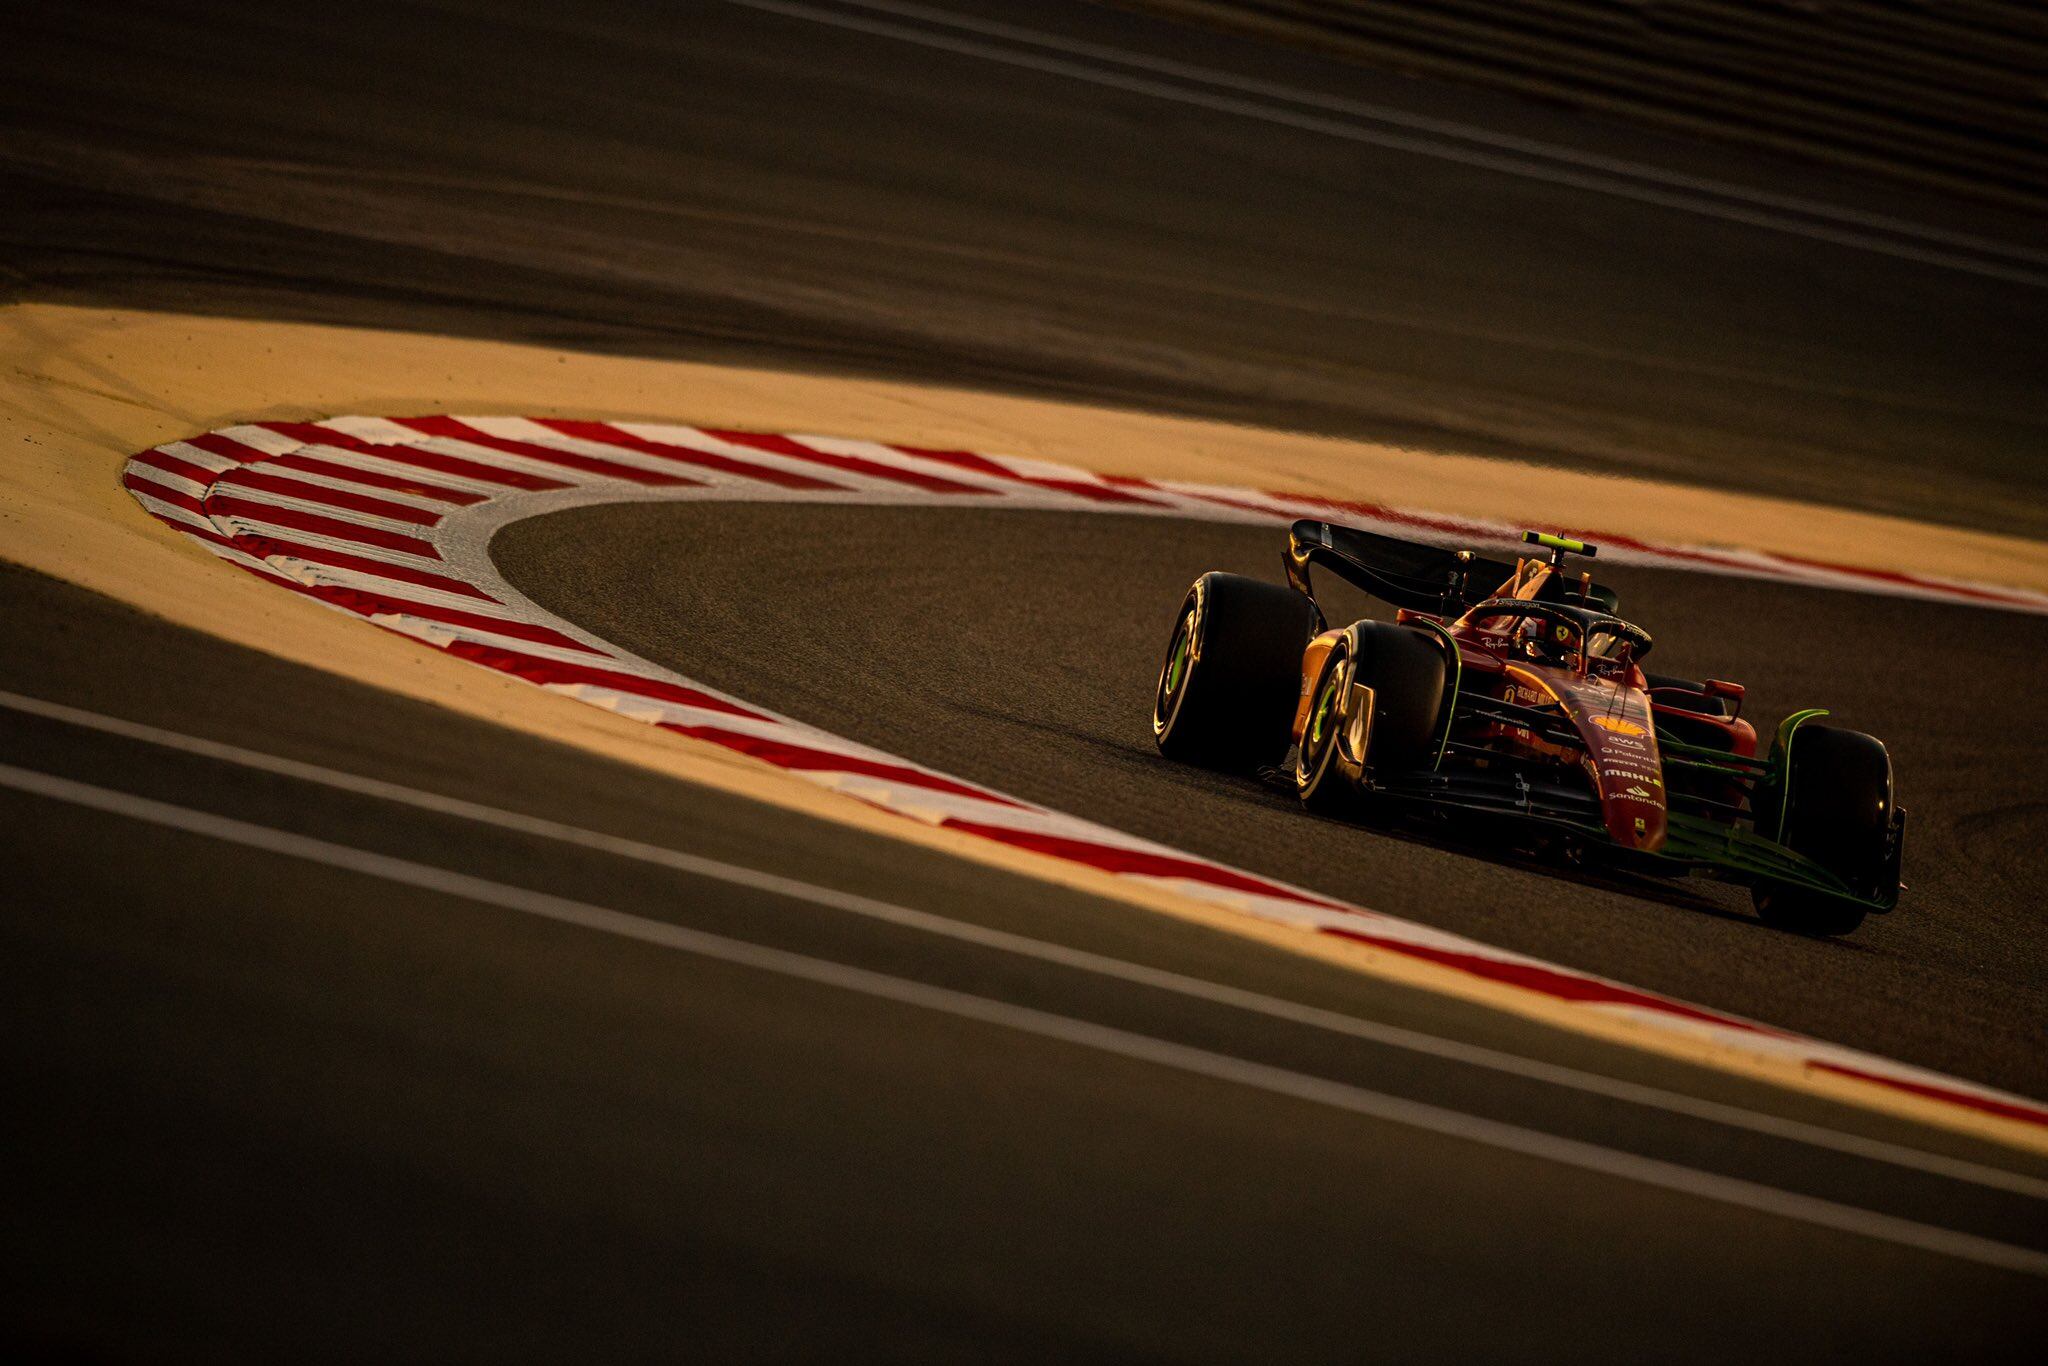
(1232, 675)
(1399, 673)
(1836, 810)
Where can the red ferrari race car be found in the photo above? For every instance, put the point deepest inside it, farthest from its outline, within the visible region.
(1512, 696)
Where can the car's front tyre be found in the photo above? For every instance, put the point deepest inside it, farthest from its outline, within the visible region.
(1324, 775)
(1837, 809)
(1375, 705)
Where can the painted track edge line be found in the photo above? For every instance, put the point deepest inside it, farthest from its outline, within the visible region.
(1135, 869)
(1047, 951)
(1142, 1048)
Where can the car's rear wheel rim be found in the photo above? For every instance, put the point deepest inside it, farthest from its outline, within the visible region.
(1175, 673)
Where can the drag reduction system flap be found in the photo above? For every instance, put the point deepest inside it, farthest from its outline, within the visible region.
(1411, 574)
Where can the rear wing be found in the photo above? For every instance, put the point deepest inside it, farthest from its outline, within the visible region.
(1410, 574)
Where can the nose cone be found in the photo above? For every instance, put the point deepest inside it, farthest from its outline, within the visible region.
(1623, 762)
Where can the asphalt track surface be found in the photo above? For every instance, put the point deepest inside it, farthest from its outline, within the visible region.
(268, 1103)
(841, 185)
(1937, 93)
(271, 1098)
(1020, 650)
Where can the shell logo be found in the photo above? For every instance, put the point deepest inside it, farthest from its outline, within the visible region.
(1617, 725)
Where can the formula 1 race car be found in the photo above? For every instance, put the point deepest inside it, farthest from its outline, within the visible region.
(1512, 694)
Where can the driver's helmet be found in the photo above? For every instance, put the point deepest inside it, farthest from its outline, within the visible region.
(1546, 641)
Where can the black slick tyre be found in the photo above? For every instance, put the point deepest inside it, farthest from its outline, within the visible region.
(1838, 811)
(1406, 671)
(1232, 675)
(1396, 673)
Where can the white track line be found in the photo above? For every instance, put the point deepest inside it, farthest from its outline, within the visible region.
(460, 542)
(1587, 1157)
(1350, 120)
(1081, 960)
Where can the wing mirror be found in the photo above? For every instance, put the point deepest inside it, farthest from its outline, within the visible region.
(1730, 693)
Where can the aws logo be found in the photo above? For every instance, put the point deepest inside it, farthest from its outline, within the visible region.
(1617, 725)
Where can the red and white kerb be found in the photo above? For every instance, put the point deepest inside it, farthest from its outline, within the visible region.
(389, 519)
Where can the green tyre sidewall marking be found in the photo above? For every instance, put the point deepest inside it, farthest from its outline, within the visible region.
(1174, 677)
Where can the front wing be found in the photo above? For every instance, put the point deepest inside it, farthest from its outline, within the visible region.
(1692, 843)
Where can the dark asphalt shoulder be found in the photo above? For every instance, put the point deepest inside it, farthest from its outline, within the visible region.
(234, 1070)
